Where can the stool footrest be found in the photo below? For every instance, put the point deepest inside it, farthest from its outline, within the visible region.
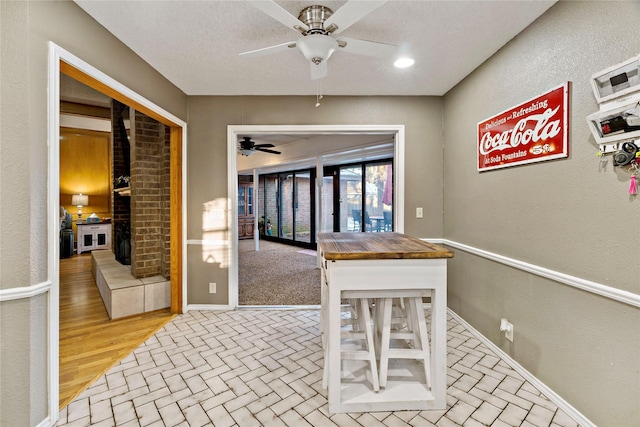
(406, 354)
(355, 355)
(402, 335)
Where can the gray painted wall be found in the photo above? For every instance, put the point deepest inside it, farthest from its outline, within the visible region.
(26, 28)
(564, 215)
(207, 176)
(583, 346)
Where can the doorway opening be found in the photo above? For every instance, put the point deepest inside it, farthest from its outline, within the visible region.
(235, 133)
(63, 62)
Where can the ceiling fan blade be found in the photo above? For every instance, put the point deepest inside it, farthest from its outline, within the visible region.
(350, 13)
(266, 150)
(264, 145)
(318, 71)
(281, 15)
(269, 50)
(366, 48)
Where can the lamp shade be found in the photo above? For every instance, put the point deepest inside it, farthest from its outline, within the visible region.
(80, 200)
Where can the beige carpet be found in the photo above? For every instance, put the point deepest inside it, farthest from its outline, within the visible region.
(277, 275)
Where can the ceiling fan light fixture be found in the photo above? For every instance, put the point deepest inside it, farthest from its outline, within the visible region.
(318, 24)
(405, 62)
(317, 47)
(246, 152)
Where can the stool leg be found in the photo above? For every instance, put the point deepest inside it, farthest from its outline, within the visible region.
(365, 325)
(422, 337)
(323, 300)
(323, 329)
(325, 347)
(398, 314)
(385, 339)
(325, 369)
(377, 325)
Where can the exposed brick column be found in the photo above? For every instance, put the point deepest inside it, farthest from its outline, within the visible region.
(149, 197)
(166, 206)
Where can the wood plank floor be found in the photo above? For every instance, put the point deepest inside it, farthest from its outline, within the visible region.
(91, 343)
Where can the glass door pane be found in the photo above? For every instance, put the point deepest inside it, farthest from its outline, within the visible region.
(241, 197)
(378, 215)
(302, 204)
(270, 207)
(285, 229)
(351, 198)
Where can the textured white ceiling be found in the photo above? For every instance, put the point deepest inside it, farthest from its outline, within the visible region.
(195, 44)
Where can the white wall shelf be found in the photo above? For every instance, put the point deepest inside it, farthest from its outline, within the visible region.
(124, 191)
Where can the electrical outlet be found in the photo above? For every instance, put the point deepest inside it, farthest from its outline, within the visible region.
(212, 288)
(419, 213)
(509, 332)
(507, 328)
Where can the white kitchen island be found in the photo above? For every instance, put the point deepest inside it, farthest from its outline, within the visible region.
(383, 265)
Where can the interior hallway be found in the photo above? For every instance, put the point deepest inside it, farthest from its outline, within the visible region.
(253, 367)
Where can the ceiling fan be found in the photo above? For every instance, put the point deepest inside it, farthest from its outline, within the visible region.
(248, 147)
(318, 26)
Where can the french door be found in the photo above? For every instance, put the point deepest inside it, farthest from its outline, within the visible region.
(287, 211)
(355, 198)
(363, 197)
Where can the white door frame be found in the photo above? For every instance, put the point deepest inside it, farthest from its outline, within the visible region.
(233, 135)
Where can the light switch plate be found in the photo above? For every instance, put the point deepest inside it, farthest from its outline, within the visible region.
(419, 213)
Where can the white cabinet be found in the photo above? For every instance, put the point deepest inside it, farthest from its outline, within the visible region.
(93, 236)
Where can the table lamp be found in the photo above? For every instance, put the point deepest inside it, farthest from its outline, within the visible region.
(80, 200)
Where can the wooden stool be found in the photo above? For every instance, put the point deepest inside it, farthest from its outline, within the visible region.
(414, 333)
(361, 329)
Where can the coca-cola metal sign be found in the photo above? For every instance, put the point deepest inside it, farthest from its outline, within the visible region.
(533, 131)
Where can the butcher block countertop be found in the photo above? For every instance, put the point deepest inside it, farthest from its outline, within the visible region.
(352, 246)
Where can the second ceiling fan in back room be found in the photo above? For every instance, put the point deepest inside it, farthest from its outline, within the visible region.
(318, 24)
(248, 147)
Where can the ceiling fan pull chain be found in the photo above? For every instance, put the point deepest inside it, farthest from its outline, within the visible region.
(318, 93)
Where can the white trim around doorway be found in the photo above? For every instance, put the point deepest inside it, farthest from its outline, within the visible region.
(233, 135)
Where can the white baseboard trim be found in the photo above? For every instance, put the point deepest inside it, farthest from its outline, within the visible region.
(208, 307)
(278, 307)
(553, 396)
(25, 292)
(586, 285)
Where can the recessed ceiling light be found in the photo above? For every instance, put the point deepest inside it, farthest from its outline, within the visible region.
(404, 62)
